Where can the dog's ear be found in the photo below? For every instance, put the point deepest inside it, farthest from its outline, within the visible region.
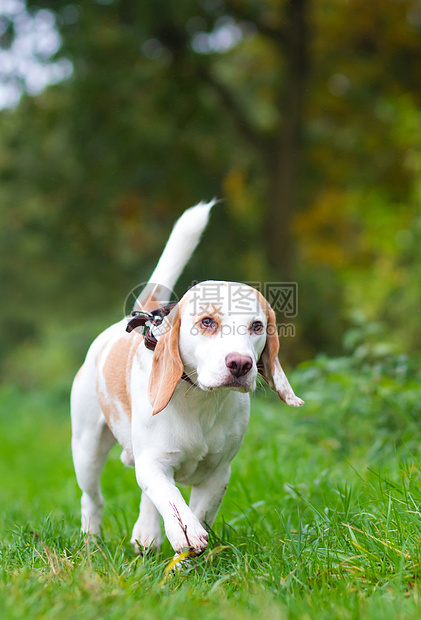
(268, 364)
(167, 367)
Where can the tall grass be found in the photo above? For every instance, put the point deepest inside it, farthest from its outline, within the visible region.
(321, 519)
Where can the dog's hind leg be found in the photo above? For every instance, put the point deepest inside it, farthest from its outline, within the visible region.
(89, 455)
(91, 443)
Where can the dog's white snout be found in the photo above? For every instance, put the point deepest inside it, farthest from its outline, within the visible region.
(238, 365)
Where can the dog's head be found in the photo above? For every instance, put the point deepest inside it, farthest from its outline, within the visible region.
(222, 335)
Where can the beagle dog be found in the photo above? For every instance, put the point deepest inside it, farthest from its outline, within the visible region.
(179, 412)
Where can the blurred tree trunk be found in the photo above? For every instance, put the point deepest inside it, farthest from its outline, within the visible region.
(283, 154)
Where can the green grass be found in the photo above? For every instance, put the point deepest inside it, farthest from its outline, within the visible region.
(321, 519)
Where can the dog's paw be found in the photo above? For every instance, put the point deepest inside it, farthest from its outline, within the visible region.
(91, 525)
(146, 539)
(188, 534)
(142, 549)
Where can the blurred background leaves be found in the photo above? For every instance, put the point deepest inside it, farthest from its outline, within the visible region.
(304, 115)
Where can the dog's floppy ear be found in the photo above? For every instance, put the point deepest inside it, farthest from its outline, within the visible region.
(167, 366)
(268, 364)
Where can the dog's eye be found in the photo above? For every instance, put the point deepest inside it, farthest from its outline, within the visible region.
(207, 322)
(257, 327)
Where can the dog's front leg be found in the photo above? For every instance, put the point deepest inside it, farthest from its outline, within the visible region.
(206, 498)
(146, 531)
(182, 527)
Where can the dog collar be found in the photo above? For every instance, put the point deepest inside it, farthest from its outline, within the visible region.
(152, 325)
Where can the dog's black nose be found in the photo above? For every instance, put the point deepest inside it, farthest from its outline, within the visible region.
(239, 365)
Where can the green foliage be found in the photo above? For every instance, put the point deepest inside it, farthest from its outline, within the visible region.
(321, 518)
(312, 140)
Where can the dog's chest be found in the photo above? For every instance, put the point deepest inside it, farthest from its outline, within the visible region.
(199, 455)
(203, 442)
(191, 471)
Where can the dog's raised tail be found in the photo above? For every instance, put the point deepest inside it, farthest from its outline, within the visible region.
(181, 244)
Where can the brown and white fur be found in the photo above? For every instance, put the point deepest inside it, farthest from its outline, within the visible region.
(171, 431)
